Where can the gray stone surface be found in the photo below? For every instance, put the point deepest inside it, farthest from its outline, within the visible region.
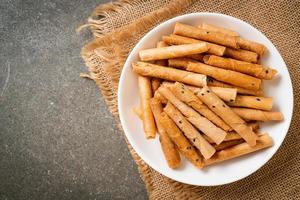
(57, 138)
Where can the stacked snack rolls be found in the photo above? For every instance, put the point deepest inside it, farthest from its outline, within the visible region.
(201, 90)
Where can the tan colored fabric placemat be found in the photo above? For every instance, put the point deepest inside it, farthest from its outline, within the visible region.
(118, 26)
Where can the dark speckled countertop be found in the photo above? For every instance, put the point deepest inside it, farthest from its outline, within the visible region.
(57, 138)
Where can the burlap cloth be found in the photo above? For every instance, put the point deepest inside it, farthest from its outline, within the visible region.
(118, 26)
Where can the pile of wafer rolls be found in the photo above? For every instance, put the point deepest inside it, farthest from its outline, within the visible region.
(201, 90)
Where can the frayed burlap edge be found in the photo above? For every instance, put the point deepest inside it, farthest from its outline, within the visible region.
(103, 57)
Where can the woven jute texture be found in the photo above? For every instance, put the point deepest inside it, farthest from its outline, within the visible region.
(118, 26)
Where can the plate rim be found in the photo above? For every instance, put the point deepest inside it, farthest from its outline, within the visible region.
(128, 134)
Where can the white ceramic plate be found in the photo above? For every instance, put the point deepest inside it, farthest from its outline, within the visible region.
(150, 151)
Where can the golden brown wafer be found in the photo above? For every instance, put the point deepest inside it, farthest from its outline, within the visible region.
(161, 62)
(232, 135)
(209, 36)
(259, 115)
(225, 31)
(180, 63)
(226, 94)
(230, 117)
(187, 96)
(262, 103)
(255, 70)
(227, 76)
(256, 47)
(214, 83)
(241, 54)
(167, 73)
(171, 154)
(184, 146)
(263, 141)
(201, 123)
(190, 132)
(145, 96)
(156, 81)
(172, 51)
(178, 40)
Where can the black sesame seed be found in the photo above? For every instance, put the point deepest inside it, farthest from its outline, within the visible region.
(194, 139)
(197, 160)
(207, 91)
(202, 94)
(224, 106)
(182, 91)
(209, 79)
(213, 106)
(231, 100)
(267, 71)
(258, 99)
(189, 148)
(180, 122)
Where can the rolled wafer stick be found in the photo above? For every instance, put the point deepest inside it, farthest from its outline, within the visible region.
(227, 144)
(255, 70)
(241, 54)
(145, 96)
(171, 154)
(206, 149)
(180, 63)
(172, 51)
(184, 146)
(228, 115)
(262, 103)
(256, 47)
(201, 123)
(225, 31)
(178, 40)
(147, 69)
(232, 135)
(160, 97)
(227, 94)
(202, 34)
(212, 82)
(263, 141)
(188, 97)
(227, 76)
(258, 115)
(156, 81)
(170, 151)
